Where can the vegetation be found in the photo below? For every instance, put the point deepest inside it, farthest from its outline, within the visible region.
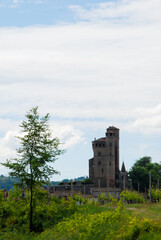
(31, 213)
(65, 219)
(48, 211)
(132, 197)
(83, 180)
(108, 199)
(7, 182)
(139, 173)
(87, 181)
(155, 194)
(38, 149)
(110, 225)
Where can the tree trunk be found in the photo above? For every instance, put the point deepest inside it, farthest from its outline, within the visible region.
(31, 209)
(31, 189)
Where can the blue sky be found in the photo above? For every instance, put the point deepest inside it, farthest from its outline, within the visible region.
(43, 12)
(90, 64)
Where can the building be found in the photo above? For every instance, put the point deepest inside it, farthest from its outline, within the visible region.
(104, 166)
(104, 170)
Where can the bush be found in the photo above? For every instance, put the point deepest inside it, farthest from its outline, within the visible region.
(117, 224)
(78, 198)
(102, 198)
(132, 197)
(87, 181)
(14, 212)
(111, 199)
(155, 194)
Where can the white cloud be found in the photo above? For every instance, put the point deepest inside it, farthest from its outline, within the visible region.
(122, 11)
(86, 70)
(8, 145)
(102, 70)
(68, 135)
(148, 120)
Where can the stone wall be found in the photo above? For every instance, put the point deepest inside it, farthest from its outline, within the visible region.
(115, 192)
(66, 190)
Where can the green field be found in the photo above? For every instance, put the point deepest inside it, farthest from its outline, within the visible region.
(78, 218)
(106, 222)
(137, 221)
(151, 211)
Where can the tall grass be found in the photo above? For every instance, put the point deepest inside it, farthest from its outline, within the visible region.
(65, 219)
(109, 225)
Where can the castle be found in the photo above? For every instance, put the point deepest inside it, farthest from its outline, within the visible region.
(104, 170)
(104, 166)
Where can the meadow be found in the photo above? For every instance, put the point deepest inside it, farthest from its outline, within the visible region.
(78, 218)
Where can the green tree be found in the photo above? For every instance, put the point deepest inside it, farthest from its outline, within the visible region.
(140, 173)
(38, 150)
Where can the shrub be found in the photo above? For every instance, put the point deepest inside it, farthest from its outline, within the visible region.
(14, 212)
(117, 224)
(132, 197)
(155, 194)
(102, 198)
(111, 199)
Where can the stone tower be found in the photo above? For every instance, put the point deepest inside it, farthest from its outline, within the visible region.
(104, 166)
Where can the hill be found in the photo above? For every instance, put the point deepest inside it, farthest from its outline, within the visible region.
(8, 182)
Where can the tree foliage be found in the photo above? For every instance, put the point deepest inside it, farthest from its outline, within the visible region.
(38, 150)
(139, 173)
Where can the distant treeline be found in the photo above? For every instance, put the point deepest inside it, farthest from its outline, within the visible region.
(79, 179)
(8, 182)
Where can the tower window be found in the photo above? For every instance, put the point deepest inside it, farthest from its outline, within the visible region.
(110, 154)
(110, 144)
(99, 163)
(102, 170)
(100, 145)
(99, 153)
(110, 163)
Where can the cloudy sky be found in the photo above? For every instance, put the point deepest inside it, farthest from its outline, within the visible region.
(90, 64)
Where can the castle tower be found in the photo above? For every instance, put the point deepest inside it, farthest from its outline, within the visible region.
(123, 178)
(104, 166)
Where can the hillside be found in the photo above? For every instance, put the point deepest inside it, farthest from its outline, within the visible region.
(8, 182)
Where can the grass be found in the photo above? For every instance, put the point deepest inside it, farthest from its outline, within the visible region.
(104, 223)
(90, 209)
(151, 211)
(100, 223)
(150, 236)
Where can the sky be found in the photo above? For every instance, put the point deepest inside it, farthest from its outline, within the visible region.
(91, 64)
